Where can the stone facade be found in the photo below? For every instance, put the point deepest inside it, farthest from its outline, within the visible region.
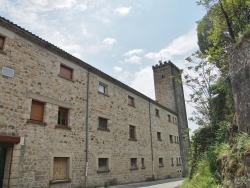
(31, 162)
(239, 65)
(169, 92)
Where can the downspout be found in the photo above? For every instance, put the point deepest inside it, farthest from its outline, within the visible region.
(151, 140)
(87, 132)
(10, 165)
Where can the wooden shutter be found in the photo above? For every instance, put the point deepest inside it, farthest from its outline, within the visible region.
(60, 168)
(66, 72)
(1, 42)
(37, 111)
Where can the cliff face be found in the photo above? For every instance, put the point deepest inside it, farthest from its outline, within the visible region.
(234, 167)
(239, 65)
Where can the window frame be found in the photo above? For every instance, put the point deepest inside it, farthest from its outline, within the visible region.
(105, 128)
(105, 88)
(169, 118)
(171, 138)
(131, 101)
(103, 168)
(133, 164)
(161, 164)
(35, 107)
(159, 136)
(2, 38)
(66, 111)
(172, 161)
(143, 163)
(66, 68)
(132, 132)
(157, 112)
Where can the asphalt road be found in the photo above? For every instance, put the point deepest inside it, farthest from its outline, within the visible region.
(167, 183)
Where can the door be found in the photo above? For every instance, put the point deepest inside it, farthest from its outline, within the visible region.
(3, 152)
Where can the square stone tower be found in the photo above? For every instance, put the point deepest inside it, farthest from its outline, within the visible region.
(169, 92)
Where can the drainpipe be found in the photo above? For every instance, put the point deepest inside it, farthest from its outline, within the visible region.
(87, 131)
(10, 165)
(152, 151)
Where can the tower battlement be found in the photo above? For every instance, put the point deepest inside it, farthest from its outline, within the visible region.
(165, 63)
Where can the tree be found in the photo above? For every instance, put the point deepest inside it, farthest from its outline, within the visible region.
(220, 28)
(200, 78)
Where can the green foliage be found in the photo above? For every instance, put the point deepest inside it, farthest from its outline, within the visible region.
(225, 22)
(106, 185)
(202, 78)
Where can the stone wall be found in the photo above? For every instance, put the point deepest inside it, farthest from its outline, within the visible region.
(239, 65)
(36, 78)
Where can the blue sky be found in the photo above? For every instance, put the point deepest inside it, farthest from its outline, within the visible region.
(123, 38)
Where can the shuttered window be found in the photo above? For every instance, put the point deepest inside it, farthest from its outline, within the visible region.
(1, 42)
(37, 111)
(66, 72)
(60, 169)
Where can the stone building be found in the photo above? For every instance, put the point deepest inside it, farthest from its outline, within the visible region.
(64, 123)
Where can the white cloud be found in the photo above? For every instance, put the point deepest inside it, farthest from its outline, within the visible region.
(133, 60)
(103, 15)
(117, 69)
(109, 41)
(123, 11)
(142, 78)
(84, 30)
(134, 52)
(123, 77)
(182, 45)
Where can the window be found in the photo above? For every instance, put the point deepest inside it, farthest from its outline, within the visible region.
(171, 138)
(172, 161)
(133, 163)
(159, 136)
(132, 133)
(102, 88)
(157, 112)
(179, 161)
(103, 164)
(37, 111)
(61, 168)
(177, 139)
(66, 72)
(173, 119)
(62, 116)
(161, 162)
(169, 118)
(142, 163)
(2, 39)
(103, 123)
(131, 101)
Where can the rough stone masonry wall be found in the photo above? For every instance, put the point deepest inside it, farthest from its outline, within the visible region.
(169, 92)
(115, 144)
(36, 75)
(239, 65)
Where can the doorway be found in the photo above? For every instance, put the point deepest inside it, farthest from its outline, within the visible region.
(3, 152)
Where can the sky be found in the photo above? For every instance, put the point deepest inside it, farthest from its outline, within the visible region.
(122, 38)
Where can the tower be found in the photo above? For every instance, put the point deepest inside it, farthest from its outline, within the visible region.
(169, 92)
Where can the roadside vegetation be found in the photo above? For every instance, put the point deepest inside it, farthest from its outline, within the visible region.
(207, 77)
